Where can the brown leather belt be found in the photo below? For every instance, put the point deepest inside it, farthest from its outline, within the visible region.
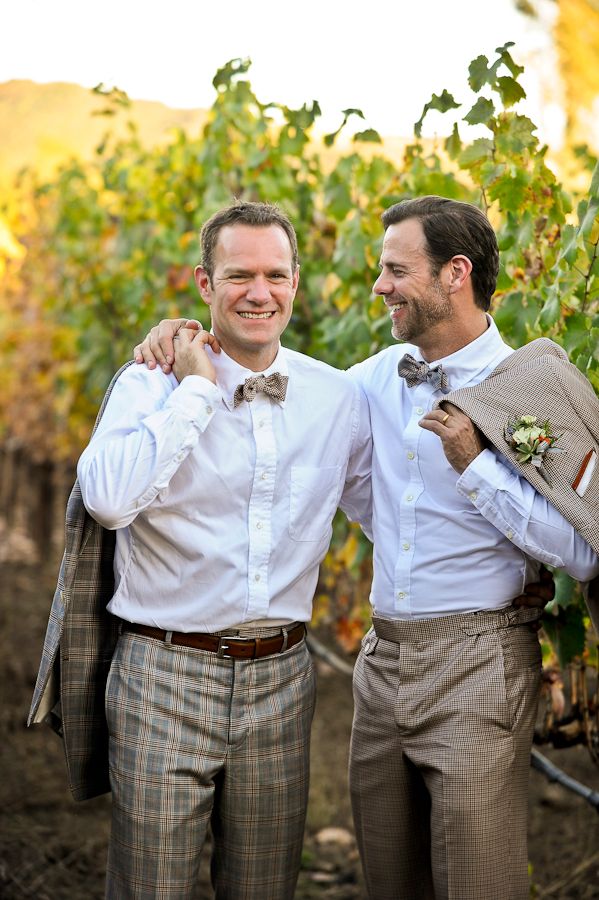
(223, 646)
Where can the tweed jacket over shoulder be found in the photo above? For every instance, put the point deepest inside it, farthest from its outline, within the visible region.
(78, 647)
(538, 380)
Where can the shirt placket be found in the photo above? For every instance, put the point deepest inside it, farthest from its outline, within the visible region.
(408, 501)
(260, 507)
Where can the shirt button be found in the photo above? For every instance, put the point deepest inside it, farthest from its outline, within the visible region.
(264, 476)
(473, 495)
(419, 410)
(258, 525)
(400, 595)
(406, 546)
(509, 535)
(256, 578)
(260, 423)
(409, 498)
(410, 455)
(208, 410)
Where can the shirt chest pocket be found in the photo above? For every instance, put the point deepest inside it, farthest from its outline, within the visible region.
(313, 500)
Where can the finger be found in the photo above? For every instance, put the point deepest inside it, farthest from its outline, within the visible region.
(436, 421)
(547, 580)
(451, 409)
(440, 415)
(165, 332)
(193, 324)
(532, 597)
(143, 354)
(205, 337)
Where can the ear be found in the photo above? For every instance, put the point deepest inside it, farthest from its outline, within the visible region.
(295, 281)
(203, 284)
(459, 269)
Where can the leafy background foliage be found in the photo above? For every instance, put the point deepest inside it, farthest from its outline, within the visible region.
(103, 249)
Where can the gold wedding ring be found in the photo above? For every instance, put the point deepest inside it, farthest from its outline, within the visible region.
(444, 419)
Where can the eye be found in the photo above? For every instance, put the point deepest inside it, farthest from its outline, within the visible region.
(238, 277)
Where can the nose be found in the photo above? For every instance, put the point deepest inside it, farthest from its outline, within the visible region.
(382, 286)
(258, 290)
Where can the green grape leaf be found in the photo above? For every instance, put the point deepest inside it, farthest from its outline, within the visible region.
(453, 144)
(368, 135)
(481, 112)
(479, 73)
(510, 90)
(229, 71)
(441, 102)
(510, 190)
(474, 152)
(569, 244)
(506, 58)
(566, 632)
(551, 310)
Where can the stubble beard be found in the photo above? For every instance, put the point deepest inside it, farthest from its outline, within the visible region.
(422, 314)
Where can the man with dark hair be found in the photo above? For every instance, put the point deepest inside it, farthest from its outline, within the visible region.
(221, 481)
(446, 683)
(452, 228)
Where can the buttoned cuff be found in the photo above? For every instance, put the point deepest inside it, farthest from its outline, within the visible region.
(197, 399)
(483, 478)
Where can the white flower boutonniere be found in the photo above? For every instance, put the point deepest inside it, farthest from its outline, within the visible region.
(532, 442)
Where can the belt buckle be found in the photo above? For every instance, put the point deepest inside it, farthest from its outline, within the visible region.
(222, 647)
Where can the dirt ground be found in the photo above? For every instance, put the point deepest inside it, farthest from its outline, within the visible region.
(52, 848)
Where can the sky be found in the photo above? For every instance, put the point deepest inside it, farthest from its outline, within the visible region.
(384, 58)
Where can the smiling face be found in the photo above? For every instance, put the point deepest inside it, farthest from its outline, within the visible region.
(251, 292)
(419, 302)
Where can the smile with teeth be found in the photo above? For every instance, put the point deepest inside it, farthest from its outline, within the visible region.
(253, 315)
(396, 307)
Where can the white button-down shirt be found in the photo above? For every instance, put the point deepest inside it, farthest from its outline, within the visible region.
(446, 544)
(224, 513)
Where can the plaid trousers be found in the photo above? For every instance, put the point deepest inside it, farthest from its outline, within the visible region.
(194, 740)
(440, 755)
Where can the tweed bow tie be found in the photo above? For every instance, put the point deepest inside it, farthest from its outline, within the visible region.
(275, 386)
(416, 372)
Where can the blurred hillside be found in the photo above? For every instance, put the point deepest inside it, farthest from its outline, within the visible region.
(42, 125)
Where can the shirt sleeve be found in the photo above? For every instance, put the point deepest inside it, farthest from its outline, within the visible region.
(149, 426)
(356, 499)
(525, 517)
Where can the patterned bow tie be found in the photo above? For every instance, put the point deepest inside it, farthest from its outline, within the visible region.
(275, 386)
(416, 372)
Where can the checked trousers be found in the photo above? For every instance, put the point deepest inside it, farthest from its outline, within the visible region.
(194, 740)
(440, 755)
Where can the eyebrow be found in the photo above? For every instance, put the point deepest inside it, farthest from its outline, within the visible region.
(389, 264)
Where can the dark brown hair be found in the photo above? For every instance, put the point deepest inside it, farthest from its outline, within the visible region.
(452, 228)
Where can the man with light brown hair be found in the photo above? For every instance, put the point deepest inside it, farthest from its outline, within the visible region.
(183, 665)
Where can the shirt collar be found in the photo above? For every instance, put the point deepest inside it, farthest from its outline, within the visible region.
(466, 364)
(230, 374)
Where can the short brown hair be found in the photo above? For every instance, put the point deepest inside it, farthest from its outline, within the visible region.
(244, 212)
(452, 228)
